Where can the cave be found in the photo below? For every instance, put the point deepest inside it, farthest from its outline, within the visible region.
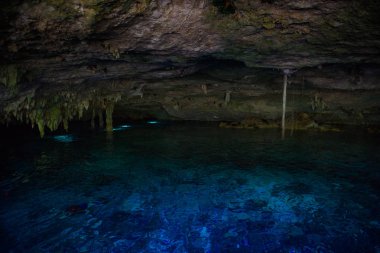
(189, 126)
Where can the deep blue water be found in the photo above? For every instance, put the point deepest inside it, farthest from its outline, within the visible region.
(190, 188)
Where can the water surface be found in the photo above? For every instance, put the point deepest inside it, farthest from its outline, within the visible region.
(190, 188)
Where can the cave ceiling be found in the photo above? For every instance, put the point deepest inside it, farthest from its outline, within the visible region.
(72, 47)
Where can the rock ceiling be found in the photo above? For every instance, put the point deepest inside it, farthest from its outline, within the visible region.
(77, 40)
(73, 47)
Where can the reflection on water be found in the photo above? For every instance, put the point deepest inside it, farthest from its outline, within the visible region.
(64, 138)
(192, 189)
(121, 128)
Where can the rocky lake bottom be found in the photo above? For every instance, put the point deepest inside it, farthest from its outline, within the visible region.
(169, 187)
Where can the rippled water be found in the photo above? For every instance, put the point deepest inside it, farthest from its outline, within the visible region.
(190, 188)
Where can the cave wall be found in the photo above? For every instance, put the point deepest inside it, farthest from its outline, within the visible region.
(188, 60)
(331, 94)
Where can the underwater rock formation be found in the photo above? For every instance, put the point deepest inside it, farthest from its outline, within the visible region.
(183, 59)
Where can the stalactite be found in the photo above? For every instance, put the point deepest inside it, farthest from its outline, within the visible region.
(227, 98)
(9, 76)
(137, 92)
(80, 111)
(93, 119)
(41, 126)
(204, 88)
(65, 117)
(53, 118)
(100, 118)
(51, 111)
(317, 103)
(66, 124)
(109, 112)
(284, 103)
(286, 72)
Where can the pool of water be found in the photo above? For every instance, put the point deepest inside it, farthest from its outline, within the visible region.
(190, 188)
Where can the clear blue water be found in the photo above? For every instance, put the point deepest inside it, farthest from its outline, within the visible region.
(190, 188)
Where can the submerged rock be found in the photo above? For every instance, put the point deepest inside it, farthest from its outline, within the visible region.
(77, 209)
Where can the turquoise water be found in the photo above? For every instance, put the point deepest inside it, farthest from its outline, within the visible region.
(190, 188)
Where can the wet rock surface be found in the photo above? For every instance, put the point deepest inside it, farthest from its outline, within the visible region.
(228, 92)
(161, 56)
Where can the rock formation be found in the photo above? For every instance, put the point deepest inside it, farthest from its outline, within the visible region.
(62, 60)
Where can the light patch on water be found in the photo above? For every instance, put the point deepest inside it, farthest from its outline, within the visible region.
(64, 138)
(152, 122)
(120, 128)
